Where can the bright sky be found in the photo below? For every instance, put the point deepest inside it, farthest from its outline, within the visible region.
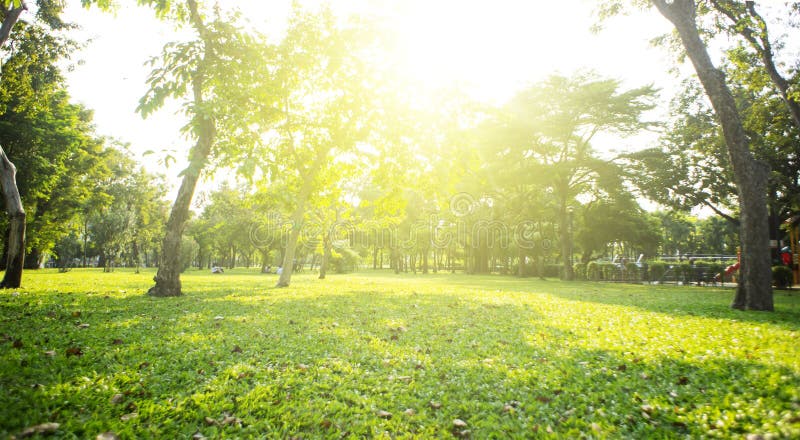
(491, 48)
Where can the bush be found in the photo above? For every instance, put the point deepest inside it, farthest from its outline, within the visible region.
(553, 270)
(631, 272)
(344, 260)
(609, 271)
(593, 271)
(656, 270)
(580, 271)
(781, 276)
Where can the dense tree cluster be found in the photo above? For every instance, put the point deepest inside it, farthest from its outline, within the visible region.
(340, 163)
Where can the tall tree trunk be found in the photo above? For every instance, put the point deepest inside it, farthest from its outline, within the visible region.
(750, 175)
(297, 226)
(15, 247)
(326, 255)
(167, 278)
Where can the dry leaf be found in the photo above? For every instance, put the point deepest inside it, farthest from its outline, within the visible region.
(130, 416)
(436, 405)
(236, 349)
(50, 353)
(209, 421)
(230, 420)
(384, 414)
(409, 412)
(116, 342)
(458, 423)
(219, 318)
(302, 367)
(116, 399)
(198, 436)
(83, 326)
(326, 423)
(76, 314)
(74, 351)
(107, 436)
(44, 428)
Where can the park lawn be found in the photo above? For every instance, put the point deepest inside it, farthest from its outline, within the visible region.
(384, 355)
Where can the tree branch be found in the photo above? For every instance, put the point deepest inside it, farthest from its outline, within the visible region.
(11, 18)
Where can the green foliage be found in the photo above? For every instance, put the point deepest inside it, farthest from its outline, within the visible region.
(580, 270)
(594, 271)
(656, 270)
(782, 276)
(344, 259)
(511, 358)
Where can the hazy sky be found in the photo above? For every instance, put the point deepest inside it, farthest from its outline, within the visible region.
(492, 48)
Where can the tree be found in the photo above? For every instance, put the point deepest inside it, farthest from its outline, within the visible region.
(48, 15)
(215, 69)
(744, 20)
(326, 107)
(551, 127)
(750, 175)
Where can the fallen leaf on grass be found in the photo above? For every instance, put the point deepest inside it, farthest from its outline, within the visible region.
(76, 314)
(236, 349)
(83, 326)
(458, 423)
(302, 367)
(209, 421)
(436, 405)
(74, 351)
(384, 414)
(50, 353)
(107, 436)
(230, 420)
(198, 436)
(44, 428)
(409, 412)
(116, 399)
(144, 365)
(117, 342)
(219, 318)
(128, 417)
(326, 424)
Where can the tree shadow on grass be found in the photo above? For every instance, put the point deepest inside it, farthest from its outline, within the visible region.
(705, 301)
(325, 365)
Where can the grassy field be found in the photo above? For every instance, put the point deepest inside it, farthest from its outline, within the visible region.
(383, 356)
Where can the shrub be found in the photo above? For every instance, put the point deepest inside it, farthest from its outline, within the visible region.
(781, 276)
(580, 271)
(344, 260)
(656, 270)
(631, 272)
(593, 271)
(609, 271)
(553, 270)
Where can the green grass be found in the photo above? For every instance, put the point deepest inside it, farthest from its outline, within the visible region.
(236, 358)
